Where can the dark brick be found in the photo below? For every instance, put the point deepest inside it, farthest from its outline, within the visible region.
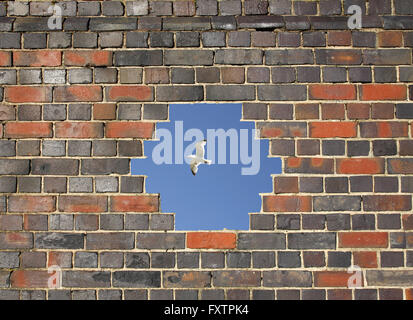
(75, 24)
(187, 260)
(283, 74)
(282, 92)
(363, 222)
(187, 39)
(388, 221)
(407, 184)
(112, 24)
(160, 241)
(339, 259)
(30, 184)
(333, 147)
(329, 23)
(387, 57)
(261, 241)
(313, 294)
(384, 147)
(278, 7)
(260, 22)
(314, 39)
(180, 93)
(86, 279)
(358, 148)
(336, 184)
(330, 7)
(186, 23)
(161, 39)
(239, 39)
(7, 148)
(137, 39)
(337, 222)
(289, 259)
(361, 184)
(308, 74)
(404, 111)
(49, 240)
(288, 221)
(138, 58)
(304, 8)
(224, 23)
(113, 240)
(189, 57)
(364, 39)
(280, 278)
(281, 111)
(360, 74)
(238, 260)
(46, 166)
(213, 39)
(230, 93)
(386, 184)
(282, 147)
(105, 166)
(263, 295)
(314, 259)
(86, 260)
(54, 185)
(34, 40)
(391, 259)
(334, 74)
(255, 7)
(207, 7)
(230, 7)
(337, 203)
(288, 56)
(385, 74)
(313, 222)
(212, 260)
(297, 23)
(263, 259)
(311, 240)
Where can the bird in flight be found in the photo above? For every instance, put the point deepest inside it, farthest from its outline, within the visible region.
(198, 157)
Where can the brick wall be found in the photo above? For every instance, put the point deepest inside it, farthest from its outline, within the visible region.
(78, 101)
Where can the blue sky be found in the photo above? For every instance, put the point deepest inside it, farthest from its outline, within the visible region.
(218, 196)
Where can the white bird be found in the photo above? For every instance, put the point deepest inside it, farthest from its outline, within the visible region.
(198, 157)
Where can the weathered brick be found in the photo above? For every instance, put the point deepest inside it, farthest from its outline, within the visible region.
(50, 240)
(312, 240)
(236, 278)
(160, 241)
(112, 241)
(261, 241)
(137, 279)
(189, 57)
(287, 279)
(180, 93)
(86, 279)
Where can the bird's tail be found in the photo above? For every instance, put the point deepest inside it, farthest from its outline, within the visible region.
(207, 161)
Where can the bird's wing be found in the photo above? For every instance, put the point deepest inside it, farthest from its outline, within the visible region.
(194, 167)
(200, 149)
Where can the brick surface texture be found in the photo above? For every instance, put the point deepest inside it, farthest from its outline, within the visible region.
(77, 102)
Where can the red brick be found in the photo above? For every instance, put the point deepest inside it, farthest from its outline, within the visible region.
(286, 185)
(5, 59)
(409, 294)
(104, 111)
(333, 129)
(79, 130)
(78, 94)
(306, 111)
(22, 94)
(144, 203)
(32, 204)
(16, 240)
(407, 220)
(84, 204)
(142, 130)
(363, 239)
(28, 130)
(390, 39)
(211, 240)
(339, 38)
(29, 279)
(332, 92)
(287, 203)
(360, 166)
(283, 130)
(62, 259)
(39, 58)
(365, 259)
(309, 165)
(332, 111)
(331, 278)
(357, 111)
(92, 58)
(387, 203)
(129, 93)
(383, 92)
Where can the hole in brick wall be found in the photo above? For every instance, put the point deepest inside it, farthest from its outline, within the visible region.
(220, 195)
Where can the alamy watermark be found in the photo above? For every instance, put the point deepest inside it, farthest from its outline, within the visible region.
(239, 150)
(55, 278)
